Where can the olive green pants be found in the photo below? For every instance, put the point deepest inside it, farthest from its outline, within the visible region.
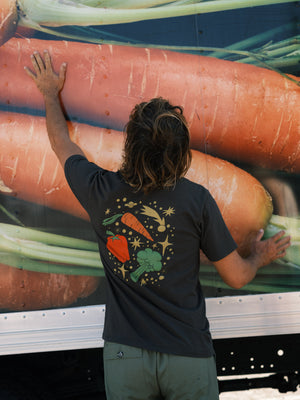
(132, 373)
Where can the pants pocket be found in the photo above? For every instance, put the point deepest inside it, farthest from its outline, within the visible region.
(116, 351)
(123, 371)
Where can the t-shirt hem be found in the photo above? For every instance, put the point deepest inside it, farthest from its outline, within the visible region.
(158, 349)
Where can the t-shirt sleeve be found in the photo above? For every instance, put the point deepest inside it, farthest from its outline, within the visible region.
(80, 174)
(216, 240)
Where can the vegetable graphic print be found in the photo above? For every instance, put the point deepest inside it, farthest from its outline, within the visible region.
(139, 240)
(149, 260)
(118, 249)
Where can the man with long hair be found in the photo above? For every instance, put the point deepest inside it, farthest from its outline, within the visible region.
(151, 223)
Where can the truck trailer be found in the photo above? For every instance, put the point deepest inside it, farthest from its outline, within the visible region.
(234, 67)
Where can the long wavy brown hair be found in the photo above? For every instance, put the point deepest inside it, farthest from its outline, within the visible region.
(157, 146)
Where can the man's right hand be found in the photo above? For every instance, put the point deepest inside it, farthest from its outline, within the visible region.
(237, 271)
(266, 251)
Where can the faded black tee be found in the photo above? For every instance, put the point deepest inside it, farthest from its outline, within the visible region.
(149, 247)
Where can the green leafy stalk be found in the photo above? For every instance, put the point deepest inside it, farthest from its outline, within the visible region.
(269, 55)
(251, 42)
(269, 270)
(125, 4)
(250, 287)
(35, 250)
(291, 226)
(10, 215)
(19, 232)
(63, 12)
(41, 251)
(23, 263)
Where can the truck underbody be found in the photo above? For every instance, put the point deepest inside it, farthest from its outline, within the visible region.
(268, 362)
(57, 354)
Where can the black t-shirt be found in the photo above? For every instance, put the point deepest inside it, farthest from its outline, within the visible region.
(149, 247)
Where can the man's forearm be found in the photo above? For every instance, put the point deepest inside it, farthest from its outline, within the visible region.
(237, 271)
(56, 123)
(58, 131)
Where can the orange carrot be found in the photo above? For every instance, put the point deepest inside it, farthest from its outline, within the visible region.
(235, 111)
(24, 32)
(35, 290)
(29, 170)
(9, 19)
(131, 221)
(244, 203)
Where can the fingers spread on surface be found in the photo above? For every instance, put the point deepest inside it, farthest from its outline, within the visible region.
(37, 61)
(48, 62)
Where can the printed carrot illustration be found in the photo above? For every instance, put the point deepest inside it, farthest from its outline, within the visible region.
(131, 221)
(235, 111)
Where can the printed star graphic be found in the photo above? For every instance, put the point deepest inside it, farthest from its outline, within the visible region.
(107, 211)
(165, 244)
(169, 211)
(123, 270)
(136, 243)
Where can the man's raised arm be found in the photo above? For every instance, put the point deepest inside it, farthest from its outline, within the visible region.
(50, 85)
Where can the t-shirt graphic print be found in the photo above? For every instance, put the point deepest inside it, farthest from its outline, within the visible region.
(149, 247)
(139, 240)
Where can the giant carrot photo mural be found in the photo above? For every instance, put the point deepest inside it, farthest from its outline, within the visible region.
(234, 68)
